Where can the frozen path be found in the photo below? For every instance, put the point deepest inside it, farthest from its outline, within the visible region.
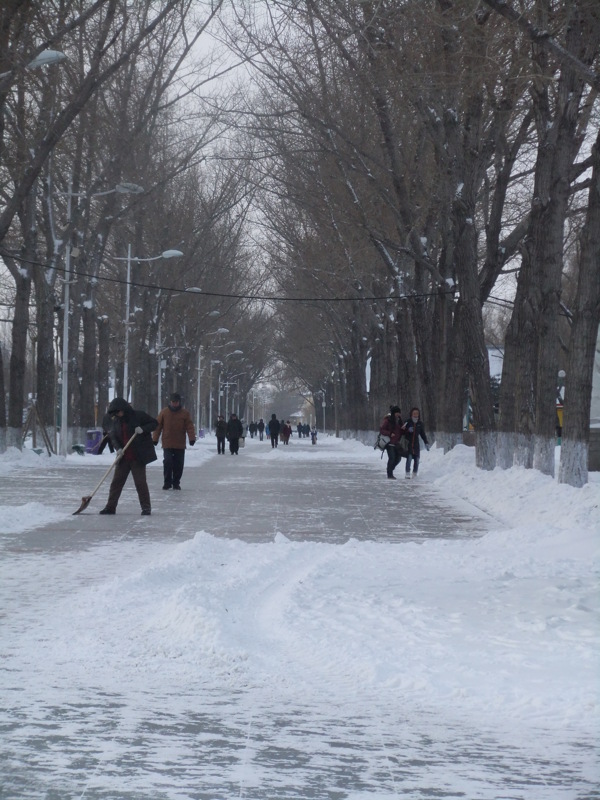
(289, 625)
(298, 490)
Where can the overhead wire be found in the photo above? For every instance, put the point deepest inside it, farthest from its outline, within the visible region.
(232, 296)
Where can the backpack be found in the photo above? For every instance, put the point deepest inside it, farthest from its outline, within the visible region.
(382, 442)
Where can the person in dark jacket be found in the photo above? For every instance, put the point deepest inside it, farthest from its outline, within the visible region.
(261, 429)
(221, 431)
(126, 422)
(392, 426)
(274, 428)
(414, 429)
(174, 422)
(235, 429)
(106, 442)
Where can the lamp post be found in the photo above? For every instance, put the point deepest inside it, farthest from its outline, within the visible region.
(198, 410)
(210, 395)
(129, 259)
(218, 332)
(226, 385)
(121, 188)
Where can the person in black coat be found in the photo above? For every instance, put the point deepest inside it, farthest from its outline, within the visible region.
(261, 428)
(126, 422)
(274, 428)
(235, 429)
(221, 431)
(414, 429)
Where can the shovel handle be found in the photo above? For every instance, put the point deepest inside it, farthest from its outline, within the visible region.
(112, 466)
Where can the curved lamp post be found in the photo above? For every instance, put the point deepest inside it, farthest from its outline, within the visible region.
(129, 259)
(218, 332)
(121, 188)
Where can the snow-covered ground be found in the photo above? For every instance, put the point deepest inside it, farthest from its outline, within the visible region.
(216, 668)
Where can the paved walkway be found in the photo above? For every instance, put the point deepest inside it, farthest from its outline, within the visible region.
(227, 741)
(252, 496)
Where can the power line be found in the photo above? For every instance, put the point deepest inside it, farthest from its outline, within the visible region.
(231, 296)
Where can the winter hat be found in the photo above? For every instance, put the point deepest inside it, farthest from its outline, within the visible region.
(118, 404)
(394, 410)
(176, 397)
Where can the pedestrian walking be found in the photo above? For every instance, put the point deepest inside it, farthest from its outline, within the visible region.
(392, 426)
(261, 429)
(106, 442)
(274, 428)
(415, 430)
(286, 432)
(235, 430)
(221, 431)
(174, 422)
(126, 422)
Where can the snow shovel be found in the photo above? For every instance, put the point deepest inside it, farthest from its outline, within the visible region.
(85, 501)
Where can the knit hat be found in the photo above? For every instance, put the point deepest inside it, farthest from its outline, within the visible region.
(395, 410)
(176, 397)
(118, 404)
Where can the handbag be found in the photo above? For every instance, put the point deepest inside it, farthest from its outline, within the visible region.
(403, 445)
(242, 441)
(382, 442)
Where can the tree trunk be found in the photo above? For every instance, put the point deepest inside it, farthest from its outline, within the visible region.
(18, 360)
(46, 368)
(2, 405)
(584, 340)
(88, 369)
(103, 366)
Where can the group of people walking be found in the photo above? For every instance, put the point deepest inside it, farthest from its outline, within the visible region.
(403, 440)
(134, 435)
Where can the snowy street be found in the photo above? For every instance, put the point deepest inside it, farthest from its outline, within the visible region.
(293, 625)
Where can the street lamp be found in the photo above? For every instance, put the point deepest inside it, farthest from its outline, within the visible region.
(47, 57)
(129, 259)
(218, 332)
(121, 188)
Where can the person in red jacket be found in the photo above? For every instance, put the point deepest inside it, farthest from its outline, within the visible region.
(392, 426)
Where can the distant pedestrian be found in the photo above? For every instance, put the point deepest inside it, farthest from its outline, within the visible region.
(274, 428)
(414, 429)
(174, 422)
(106, 442)
(392, 426)
(221, 431)
(235, 430)
(286, 432)
(261, 429)
(126, 422)
(313, 434)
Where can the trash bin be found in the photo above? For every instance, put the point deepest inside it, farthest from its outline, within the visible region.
(94, 437)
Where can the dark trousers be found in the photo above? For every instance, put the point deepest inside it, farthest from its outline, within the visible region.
(234, 446)
(173, 459)
(220, 444)
(122, 471)
(394, 458)
(274, 439)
